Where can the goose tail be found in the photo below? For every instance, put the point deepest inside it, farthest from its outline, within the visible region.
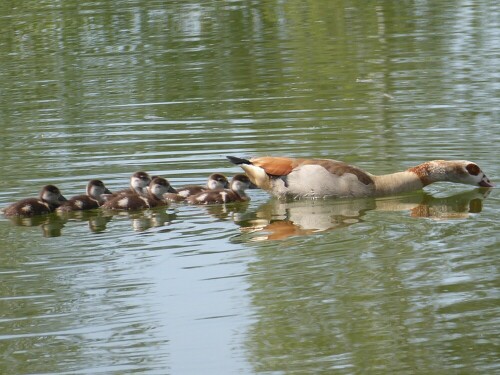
(238, 161)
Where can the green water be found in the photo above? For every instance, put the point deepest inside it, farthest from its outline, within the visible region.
(396, 285)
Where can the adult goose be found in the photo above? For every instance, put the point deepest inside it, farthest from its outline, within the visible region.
(322, 178)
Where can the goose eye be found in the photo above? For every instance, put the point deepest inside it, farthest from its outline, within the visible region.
(473, 169)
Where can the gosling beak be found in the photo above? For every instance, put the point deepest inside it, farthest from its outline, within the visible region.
(107, 191)
(62, 198)
(171, 190)
(252, 186)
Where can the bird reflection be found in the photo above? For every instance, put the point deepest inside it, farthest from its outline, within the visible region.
(51, 225)
(96, 220)
(235, 211)
(144, 219)
(276, 220)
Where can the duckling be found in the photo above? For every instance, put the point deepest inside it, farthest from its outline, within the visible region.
(139, 182)
(322, 178)
(215, 181)
(50, 198)
(93, 199)
(132, 201)
(236, 193)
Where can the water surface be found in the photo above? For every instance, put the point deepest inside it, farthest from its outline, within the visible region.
(405, 284)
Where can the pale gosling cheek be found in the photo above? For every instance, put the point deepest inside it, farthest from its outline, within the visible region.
(213, 185)
(239, 186)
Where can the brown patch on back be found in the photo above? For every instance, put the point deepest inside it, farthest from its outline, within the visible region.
(275, 166)
(473, 169)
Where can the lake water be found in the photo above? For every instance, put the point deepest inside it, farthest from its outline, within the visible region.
(396, 285)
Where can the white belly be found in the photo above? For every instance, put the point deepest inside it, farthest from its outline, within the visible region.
(313, 181)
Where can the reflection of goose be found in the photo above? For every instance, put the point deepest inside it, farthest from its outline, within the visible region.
(151, 219)
(145, 219)
(51, 225)
(450, 207)
(320, 178)
(278, 219)
(96, 219)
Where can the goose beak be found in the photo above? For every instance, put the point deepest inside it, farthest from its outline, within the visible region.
(485, 183)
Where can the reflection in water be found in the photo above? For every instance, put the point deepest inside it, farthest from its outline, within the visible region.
(100, 89)
(233, 211)
(276, 220)
(343, 304)
(146, 219)
(97, 220)
(51, 225)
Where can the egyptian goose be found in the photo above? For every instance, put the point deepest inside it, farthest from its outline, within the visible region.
(321, 178)
(93, 199)
(132, 201)
(50, 198)
(215, 181)
(236, 193)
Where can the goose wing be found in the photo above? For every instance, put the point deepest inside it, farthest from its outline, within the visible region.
(275, 165)
(282, 166)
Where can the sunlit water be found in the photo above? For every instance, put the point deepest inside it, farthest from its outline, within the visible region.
(405, 285)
